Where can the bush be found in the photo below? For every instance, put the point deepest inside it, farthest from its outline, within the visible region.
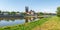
(58, 11)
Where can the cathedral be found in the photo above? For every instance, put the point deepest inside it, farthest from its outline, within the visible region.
(31, 12)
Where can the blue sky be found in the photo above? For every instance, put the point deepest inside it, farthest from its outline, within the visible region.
(36, 5)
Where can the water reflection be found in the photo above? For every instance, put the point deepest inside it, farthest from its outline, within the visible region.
(13, 21)
(5, 22)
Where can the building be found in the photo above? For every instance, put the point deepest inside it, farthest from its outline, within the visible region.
(31, 12)
(26, 9)
(5, 13)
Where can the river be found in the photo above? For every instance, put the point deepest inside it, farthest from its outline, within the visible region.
(11, 22)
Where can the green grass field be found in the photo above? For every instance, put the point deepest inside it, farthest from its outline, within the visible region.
(52, 24)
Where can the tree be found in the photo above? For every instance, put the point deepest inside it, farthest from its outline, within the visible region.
(0, 11)
(17, 12)
(9, 13)
(41, 13)
(13, 13)
(58, 11)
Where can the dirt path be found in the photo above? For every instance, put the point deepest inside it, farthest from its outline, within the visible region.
(52, 24)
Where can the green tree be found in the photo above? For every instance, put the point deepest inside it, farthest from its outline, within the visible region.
(41, 13)
(0, 11)
(9, 13)
(17, 12)
(23, 13)
(13, 13)
(58, 11)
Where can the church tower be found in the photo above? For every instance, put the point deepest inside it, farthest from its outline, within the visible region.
(26, 9)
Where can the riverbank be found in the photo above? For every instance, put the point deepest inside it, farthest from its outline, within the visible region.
(26, 26)
(52, 24)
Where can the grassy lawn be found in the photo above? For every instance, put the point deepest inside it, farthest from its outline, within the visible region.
(26, 26)
(52, 24)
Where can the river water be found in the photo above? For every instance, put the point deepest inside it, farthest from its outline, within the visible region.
(11, 22)
(5, 22)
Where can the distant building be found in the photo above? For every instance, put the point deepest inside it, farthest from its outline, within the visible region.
(31, 12)
(18, 13)
(26, 9)
(5, 13)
